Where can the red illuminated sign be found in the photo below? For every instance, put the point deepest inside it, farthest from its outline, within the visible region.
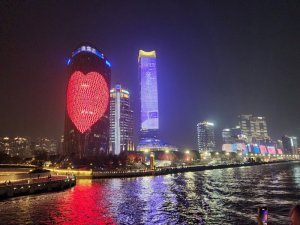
(87, 99)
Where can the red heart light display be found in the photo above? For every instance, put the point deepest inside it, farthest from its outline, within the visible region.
(87, 99)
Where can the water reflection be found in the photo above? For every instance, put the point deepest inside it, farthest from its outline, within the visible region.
(223, 196)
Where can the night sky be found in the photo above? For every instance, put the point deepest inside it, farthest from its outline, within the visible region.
(215, 60)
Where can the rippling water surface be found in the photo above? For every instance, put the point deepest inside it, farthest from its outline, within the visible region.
(222, 196)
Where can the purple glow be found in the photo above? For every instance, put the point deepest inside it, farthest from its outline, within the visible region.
(149, 95)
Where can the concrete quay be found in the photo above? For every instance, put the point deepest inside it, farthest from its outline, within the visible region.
(34, 186)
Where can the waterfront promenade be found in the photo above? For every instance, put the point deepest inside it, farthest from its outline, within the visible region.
(92, 174)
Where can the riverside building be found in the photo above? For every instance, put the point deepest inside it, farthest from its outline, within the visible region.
(149, 139)
(290, 145)
(121, 121)
(87, 104)
(253, 127)
(206, 136)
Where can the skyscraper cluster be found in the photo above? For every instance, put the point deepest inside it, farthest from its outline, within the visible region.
(251, 136)
(25, 147)
(99, 119)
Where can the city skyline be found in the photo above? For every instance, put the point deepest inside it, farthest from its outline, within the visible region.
(201, 76)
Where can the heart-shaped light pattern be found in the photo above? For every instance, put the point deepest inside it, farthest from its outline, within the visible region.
(87, 99)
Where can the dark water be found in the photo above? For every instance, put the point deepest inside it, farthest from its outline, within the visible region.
(224, 196)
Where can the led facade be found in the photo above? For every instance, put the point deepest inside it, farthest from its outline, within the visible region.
(149, 94)
(149, 140)
(87, 105)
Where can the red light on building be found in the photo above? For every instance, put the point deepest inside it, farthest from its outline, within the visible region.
(87, 99)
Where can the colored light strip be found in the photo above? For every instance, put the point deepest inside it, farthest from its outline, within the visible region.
(91, 50)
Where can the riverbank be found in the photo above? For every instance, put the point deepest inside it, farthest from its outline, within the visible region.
(34, 186)
(159, 171)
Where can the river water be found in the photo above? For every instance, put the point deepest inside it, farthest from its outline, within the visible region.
(221, 196)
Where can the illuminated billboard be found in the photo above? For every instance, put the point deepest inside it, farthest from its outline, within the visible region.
(271, 150)
(227, 147)
(263, 149)
(256, 149)
(149, 94)
(279, 151)
(234, 147)
(241, 147)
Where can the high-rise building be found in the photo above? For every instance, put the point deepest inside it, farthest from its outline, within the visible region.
(206, 136)
(246, 125)
(226, 136)
(6, 146)
(149, 140)
(260, 128)
(237, 135)
(87, 106)
(121, 121)
(290, 145)
(279, 144)
(294, 144)
(232, 135)
(148, 94)
(254, 128)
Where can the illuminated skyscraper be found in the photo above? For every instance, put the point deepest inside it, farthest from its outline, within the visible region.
(290, 145)
(121, 121)
(206, 136)
(149, 140)
(232, 135)
(253, 127)
(149, 94)
(87, 107)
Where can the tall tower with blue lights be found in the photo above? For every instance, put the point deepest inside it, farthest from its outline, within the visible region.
(149, 94)
(149, 138)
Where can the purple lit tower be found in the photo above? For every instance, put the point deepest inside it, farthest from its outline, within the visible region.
(149, 140)
(149, 95)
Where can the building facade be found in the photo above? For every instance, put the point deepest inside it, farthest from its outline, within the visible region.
(290, 145)
(86, 133)
(232, 135)
(253, 127)
(206, 136)
(148, 94)
(149, 137)
(121, 121)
